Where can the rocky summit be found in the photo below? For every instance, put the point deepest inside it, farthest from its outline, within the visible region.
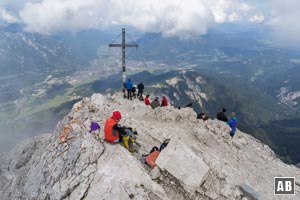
(201, 160)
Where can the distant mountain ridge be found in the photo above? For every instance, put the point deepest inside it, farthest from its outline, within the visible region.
(27, 59)
(248, 57)
(35, 70)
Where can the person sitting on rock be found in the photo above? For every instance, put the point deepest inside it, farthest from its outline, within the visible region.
(202, 116)
(221, 115)
(164, 101)
(113, 132)
(232, 122)
(155, 103)
(147, 101)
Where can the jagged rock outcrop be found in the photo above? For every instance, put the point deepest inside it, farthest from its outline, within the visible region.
(200, 162)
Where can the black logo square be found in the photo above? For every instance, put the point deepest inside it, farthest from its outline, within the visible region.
(284, 185)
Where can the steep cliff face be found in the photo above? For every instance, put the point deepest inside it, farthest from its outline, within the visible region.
(200, 162)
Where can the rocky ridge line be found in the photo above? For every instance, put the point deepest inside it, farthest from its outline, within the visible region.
(201, 161)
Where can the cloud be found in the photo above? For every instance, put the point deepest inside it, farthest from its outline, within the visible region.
(257, 18)
(15, 5)
(184, 18)
(230, 10)
(171, 17)
(283, 21)
(6, 16)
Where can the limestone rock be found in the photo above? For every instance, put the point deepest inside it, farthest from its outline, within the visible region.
(250, 192)
(155, 173)
(184, 164)
(201, 161)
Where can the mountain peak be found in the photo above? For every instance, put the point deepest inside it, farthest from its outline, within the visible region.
(200, 162)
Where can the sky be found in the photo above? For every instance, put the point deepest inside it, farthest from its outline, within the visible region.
(183, 18)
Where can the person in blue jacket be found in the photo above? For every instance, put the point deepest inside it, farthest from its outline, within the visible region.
(129, 89)
(232, 122)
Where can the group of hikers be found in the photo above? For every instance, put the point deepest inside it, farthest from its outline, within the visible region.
(131, 92)
(132, 89)
(115, 133)
(232, 122)
(155, 103)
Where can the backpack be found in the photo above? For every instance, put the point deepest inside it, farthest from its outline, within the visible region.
(133, 145)
(154, 153)
(94, 126)
(151, 158)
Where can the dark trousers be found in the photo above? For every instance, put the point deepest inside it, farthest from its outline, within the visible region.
(129, 94)
(140, 93)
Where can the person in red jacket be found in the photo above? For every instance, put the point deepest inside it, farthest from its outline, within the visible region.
(147, 101)
(164, 101)
(113, 132)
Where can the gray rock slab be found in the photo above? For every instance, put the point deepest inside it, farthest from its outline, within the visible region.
(180, 161)
(250, 192)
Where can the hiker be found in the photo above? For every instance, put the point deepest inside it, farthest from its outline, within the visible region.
(202, 116)
(133, 90)
(140, 88)
(129, 89)
(164, 101)
(147, 101)
(155, 103)
(221, 115)
(113, 132)
(232, 122)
